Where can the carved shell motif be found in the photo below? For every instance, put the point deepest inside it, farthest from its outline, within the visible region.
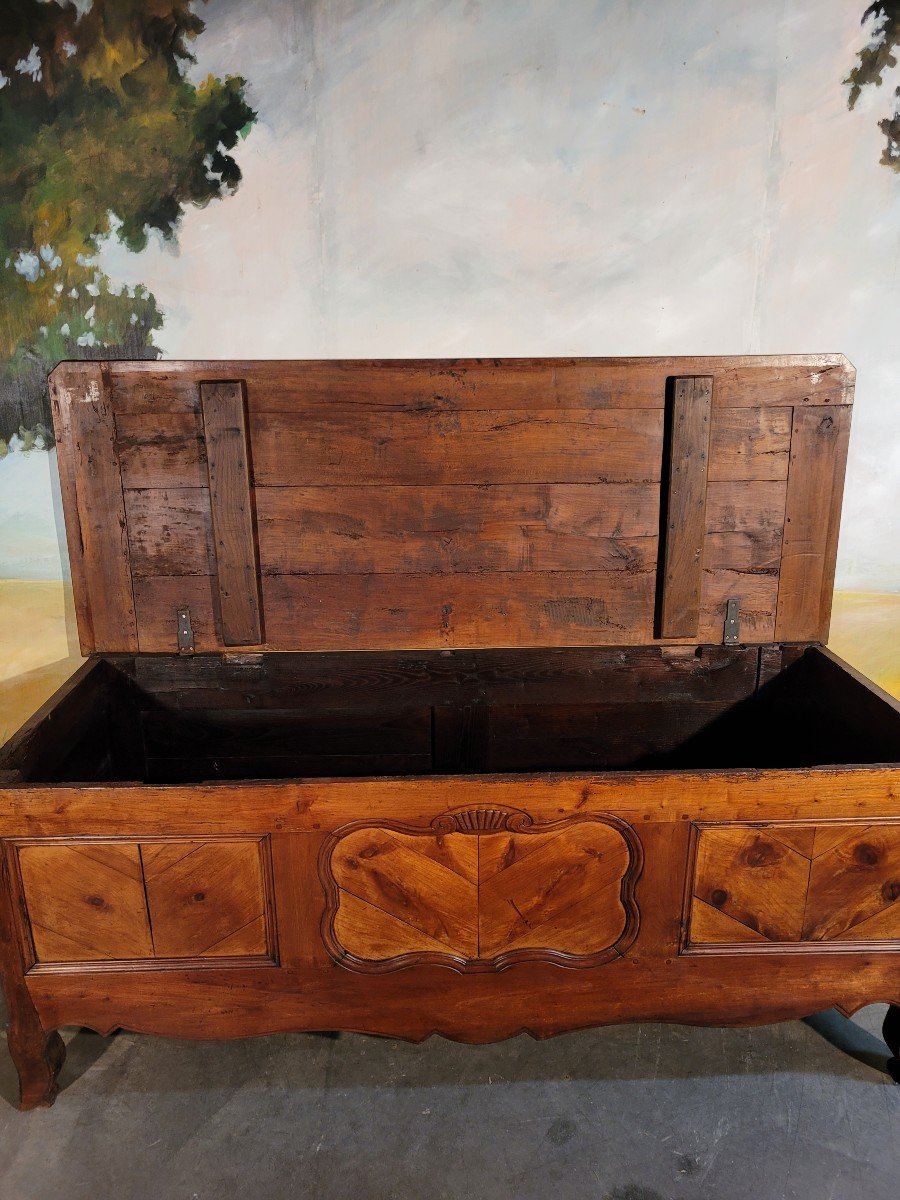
(479, 889)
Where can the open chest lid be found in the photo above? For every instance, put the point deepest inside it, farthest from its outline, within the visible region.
(356, 505)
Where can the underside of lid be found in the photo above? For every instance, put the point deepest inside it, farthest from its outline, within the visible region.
(359, 505)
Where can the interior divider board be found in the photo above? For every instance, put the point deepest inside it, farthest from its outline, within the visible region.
(372, 612)
(685, 521)
(819, 441)
(354, 447)
(95, 506)
(231, 506)
(354, 682)
(454, 384)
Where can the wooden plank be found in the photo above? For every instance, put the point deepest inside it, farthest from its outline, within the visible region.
(710, 989)
(231, 505)
(819, 442)
(327, 530)
(352, 682)
(592, 736)
(61, 386)
(334, 612)
(61, 721)
(853, 882)
(745, 506)
(299, 899)
(355, 446)
(742, 381)
(460, 736)
(413, 448)
(170, 531)
(685, 524)
(95, 508)
(311, 806)
(519, 446)
(173, 456)
(749, 443)
(280, 732)
(508, 471)
(393, 873)
(375, 529)
(198, 769)
(711, 926)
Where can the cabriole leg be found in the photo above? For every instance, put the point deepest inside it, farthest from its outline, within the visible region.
(37, 1053)
(38, 1056)
(891, 1034)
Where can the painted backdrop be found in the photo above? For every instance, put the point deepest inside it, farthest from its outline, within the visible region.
(316, 178)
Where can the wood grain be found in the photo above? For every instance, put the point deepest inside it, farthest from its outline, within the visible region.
(85, 906)
(206, 899)
(231, 505)
(564, 894)
(754, 879)
(364, 530)
(333, 612)
(685, 522)
(479, 890)
(350, 447)
(819, 443)
(95, 508)
(744, 381)
(836, 882)
(865, 793)
(415, 504)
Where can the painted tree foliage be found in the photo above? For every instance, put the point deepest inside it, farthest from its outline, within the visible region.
(874, 61)
(101, 134)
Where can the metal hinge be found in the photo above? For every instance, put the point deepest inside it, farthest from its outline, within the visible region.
(732, 623)
(185, 632)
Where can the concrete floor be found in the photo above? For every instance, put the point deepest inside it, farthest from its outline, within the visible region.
(800, 1111)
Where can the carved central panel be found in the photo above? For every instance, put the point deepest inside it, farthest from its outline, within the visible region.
(479, 890)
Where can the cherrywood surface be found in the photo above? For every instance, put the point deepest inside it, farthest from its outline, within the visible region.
(803, 883)
(685, 521)
(205, 898)
(85, 902)
(519, 809)
(837, 821)
(479, 890)
(457, 504)
(118, 900)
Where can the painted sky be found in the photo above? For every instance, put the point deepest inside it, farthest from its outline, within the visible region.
(527, 177)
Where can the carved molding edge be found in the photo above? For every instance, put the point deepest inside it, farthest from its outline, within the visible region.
(473, 821)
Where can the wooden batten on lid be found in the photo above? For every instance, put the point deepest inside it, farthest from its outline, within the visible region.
(358, 505)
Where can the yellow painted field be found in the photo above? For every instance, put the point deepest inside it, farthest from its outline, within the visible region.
(39, 648)
(865, 630)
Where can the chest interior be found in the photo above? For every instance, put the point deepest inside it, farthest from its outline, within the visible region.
(183, 720)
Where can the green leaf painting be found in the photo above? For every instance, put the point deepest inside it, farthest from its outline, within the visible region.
(101, 135)
(874, 61)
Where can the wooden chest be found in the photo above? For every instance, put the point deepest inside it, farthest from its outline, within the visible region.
(449, 697)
